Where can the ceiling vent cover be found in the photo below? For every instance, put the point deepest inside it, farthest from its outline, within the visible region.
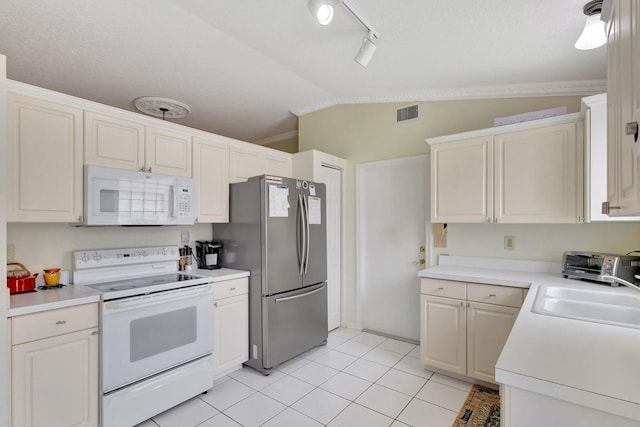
(410, 112)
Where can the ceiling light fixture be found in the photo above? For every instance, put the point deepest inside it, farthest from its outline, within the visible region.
(366, 51)
(593, 35)
(321, 10)
(368, 47)
(162, 107)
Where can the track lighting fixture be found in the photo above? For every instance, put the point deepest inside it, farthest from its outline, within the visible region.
(366, 51)
(322, 10)
(593, 35)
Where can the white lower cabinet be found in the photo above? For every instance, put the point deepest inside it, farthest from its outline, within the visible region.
(464, 326)
(231, 325)
(54, 374)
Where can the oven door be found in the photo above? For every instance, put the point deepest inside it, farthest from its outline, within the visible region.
(145, 335)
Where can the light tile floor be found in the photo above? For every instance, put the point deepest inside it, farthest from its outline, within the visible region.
(357, 379)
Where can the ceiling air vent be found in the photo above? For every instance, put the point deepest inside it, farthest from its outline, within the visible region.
(410, 112)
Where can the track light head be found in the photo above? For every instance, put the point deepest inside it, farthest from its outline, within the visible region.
(368, 48)
(321, 10)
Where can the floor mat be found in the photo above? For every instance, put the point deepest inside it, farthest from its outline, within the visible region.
(481, 409)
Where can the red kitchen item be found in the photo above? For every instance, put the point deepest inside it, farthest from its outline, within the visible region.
(20, 279)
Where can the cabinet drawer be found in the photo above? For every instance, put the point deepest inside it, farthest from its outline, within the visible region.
(443, 288)
(230, 288)
(31, 327)
(491, 294)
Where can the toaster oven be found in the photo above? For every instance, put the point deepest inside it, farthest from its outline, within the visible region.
(600, 267)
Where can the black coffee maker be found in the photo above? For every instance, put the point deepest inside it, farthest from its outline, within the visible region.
(208, 254)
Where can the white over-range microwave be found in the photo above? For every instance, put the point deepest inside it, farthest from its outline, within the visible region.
(124, 197)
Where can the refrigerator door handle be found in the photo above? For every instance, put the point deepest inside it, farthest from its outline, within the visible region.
(307, 235)
(301, 234)
(299, 295)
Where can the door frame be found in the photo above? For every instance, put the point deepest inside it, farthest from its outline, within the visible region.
(360, 168)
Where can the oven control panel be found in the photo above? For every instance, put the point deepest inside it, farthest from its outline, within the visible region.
(122, 257)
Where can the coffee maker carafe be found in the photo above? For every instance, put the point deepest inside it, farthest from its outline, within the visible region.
(208, 254)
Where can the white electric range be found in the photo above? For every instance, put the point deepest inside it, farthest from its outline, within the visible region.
(156, 330)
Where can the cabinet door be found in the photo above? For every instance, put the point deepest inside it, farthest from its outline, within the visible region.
(44, 161)
(535, 176)
(231, 332)
(211, 176)
(488, 327)
(243, 164)
(168, 152)
(443, 333)
(462, 181)
(278, 166)
(55, 381)
(113, 142)
(623, 100)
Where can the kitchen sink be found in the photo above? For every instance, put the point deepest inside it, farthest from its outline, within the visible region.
(608, 307)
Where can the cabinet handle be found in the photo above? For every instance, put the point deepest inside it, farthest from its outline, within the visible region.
(141, 168)
(232, 289)
(61, 322)
(606, 207)
(215, 303)
(94, 333)
(491, 296)
(440, 289)
(461, 303)
(79, 218)
(631, 128)
(149, 170)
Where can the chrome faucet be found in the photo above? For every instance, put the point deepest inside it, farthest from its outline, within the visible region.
(623, 282)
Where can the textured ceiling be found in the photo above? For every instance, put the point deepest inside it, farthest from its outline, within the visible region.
(247, 68)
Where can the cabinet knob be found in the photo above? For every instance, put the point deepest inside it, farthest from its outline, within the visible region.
(631, 128)
(61, 322)
(215, 304)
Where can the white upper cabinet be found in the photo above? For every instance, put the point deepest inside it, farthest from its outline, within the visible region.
(125, 144)
(44, 161)
(535, 176)
(506, 175)
(211, 176)
(113, 142)
(245, 163)
(168, 152)
(623, 107)
(462, 181)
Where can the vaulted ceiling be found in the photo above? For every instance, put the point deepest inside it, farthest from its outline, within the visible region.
(247, 68)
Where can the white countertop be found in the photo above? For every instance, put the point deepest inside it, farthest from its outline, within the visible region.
(586, 363)
(51, 299)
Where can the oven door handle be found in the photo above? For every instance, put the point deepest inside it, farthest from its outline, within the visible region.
(159, 298)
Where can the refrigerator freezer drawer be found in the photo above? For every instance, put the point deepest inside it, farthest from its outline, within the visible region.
(293, 322)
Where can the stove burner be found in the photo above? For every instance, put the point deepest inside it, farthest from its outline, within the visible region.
(47, 287)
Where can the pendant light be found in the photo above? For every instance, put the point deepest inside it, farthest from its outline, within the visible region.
(593, 35)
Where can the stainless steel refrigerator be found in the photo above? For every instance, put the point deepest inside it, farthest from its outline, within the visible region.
(277, 231)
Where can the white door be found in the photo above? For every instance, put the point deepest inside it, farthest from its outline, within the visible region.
(333, 179)
(391, 212)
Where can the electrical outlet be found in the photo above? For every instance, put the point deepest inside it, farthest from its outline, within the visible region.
(11, 252)
(509, 243)
(184, 238)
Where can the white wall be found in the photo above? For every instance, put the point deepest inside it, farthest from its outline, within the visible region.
(39, 246)
(539, 242)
